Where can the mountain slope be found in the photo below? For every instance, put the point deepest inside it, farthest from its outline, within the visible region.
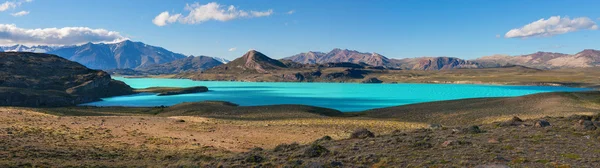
(338, 55)
(33, 79)
(222, 60)
(126, 54)
(249, 62)
(191, 63)
(434, 63)
(545, 60)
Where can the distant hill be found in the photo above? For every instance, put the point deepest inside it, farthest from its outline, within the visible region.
(338, 55)
(34, 79)
(374, 59)
(252, 61)
(126, 54)
(545, 60)
(434, 63)
(191, 63)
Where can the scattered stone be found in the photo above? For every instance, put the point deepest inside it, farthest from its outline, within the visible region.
(586, 125)
(315, 150)
(362, 134)
(314, 165)
(493, 141)
(435, 126)
(579, 117)
(336, 164)
(448, 143)
(472, 130)
(492, 166)
(501, 159)
(515, 121)
(422, 145)
(286, 147)
(256, 149)
(542, 123)
(323, 139)
(254, 159)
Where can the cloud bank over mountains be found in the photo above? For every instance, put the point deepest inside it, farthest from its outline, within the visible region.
(11, 34)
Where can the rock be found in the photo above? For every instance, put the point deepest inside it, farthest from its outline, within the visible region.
(180, 120)
(362, 134)
(336, 164)
(286, 147)
(515, 121)
(323, 139)
(542, 123)
(315, 150)
(256, 149)
(435, 126)
(254, 159)
(372, 80)
(314, 165)
(586, 125)
(472, 130)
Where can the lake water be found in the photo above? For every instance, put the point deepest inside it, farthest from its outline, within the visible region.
(341, 96)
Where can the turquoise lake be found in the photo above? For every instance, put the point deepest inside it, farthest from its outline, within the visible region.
(345, 97)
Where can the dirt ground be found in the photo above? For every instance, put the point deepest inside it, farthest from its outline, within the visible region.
(165, 140)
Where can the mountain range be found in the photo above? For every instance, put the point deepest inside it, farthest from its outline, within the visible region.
(341, 55)
(545, 60)
(123, 55)
(23, 48)
(373, 59)
(142, 57)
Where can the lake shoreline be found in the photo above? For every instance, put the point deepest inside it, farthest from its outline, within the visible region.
(557, 84)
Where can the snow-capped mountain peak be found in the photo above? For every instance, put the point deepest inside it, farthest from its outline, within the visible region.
(222, 60)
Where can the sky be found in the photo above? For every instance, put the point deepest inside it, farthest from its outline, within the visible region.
(279, 28)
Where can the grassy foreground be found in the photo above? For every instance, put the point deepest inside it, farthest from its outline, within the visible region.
(459, 133)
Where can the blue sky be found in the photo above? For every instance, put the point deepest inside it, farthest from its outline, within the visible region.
(396, 29)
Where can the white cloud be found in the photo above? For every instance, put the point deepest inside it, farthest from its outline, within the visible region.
(164, 18)
(291, 12)
(11, 34)
(552, 26)
(12, 4)
(22, 13)
(8, 5)
(211, 11)
(232, 49)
